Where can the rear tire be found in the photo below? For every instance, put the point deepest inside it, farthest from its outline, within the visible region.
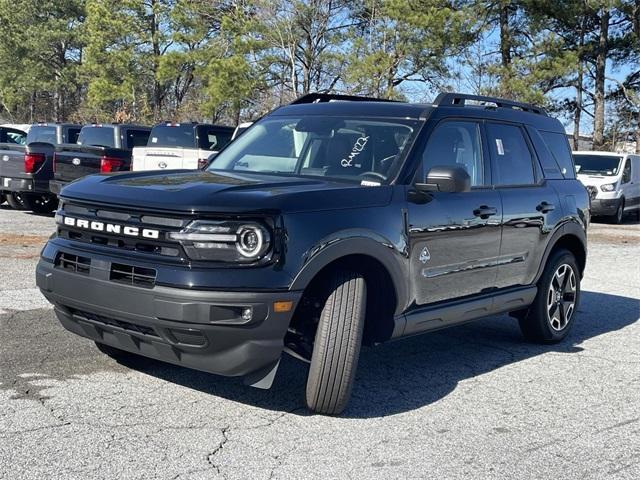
(15, 201)
(45, 203)
(2, 198)
(337, 344)
(551, 315)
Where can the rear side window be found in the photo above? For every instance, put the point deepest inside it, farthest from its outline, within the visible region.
(626, 171)
(97, 137)
(137, 138)
(14, 136)
(513, 162)
(172, 136)
(42, 134)
(559, 147)
(213, 138)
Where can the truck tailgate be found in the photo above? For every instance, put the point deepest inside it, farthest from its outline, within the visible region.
(76, 162)
(156, 158)
(11, 161)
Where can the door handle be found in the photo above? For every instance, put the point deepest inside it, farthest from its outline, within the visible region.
(546, 207)
(485, 212)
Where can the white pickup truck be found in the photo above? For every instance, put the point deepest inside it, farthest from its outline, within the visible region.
(180, 145)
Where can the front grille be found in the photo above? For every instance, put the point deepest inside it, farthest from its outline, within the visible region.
(162, 246)
(132, 275)
(74, 263)
(112, 322)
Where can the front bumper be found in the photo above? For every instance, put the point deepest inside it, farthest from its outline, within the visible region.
(198, 329)
(24, 185)
(604, 206)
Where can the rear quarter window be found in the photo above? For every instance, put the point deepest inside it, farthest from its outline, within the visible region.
(559, 147)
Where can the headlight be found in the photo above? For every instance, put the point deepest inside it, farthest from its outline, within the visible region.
(609, 187)
(224, 241)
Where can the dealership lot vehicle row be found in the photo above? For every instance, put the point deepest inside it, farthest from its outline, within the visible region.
(469, 402)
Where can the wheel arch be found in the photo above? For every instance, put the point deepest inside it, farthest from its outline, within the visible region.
(571, 237)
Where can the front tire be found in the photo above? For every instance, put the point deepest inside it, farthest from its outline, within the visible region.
(337, 344)
(40, 203)
(619, 215)
(15, 201)
(551, 315)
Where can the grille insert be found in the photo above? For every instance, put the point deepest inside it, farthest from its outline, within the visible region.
(74, 263)
(112, 322)
(132, 275)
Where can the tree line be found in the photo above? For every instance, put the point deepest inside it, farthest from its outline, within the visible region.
(233, 60)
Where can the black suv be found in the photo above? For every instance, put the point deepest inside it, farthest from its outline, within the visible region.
(331, 222)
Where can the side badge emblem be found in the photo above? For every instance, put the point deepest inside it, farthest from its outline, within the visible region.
(425, 256)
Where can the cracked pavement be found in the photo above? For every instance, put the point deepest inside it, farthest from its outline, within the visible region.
(474, 401)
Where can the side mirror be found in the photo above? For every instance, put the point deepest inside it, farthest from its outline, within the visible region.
(446, 179)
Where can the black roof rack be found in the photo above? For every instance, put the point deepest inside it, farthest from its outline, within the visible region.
(334, 97)
(459, 99)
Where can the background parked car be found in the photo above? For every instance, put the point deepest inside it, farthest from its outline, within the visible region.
(27, 164)
(613, 182)
(181, 145)
(101, 148)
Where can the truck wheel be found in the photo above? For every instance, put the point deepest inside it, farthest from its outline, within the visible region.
(550, 317)
(40, 203)
(618, 216)
(337, 344)
(15, 201)
(2, 198)
(113, 352)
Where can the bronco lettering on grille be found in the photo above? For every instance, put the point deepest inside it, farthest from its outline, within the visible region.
(111, 228)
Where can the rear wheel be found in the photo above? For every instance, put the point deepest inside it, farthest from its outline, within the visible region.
(15, 201)
(40, 203)
(2, 198)
(337, 344)
(550, 317)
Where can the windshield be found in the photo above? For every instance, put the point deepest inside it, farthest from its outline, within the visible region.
(42, 134)
(597, 164)
(172, 136)
(96, 136)
(337, 147)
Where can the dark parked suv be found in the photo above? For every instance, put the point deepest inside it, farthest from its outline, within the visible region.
(331, 222)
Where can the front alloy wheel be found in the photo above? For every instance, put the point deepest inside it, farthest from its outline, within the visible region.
(561, 297)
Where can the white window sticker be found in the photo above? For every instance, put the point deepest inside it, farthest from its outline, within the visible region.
(499, 146)
(154, 139)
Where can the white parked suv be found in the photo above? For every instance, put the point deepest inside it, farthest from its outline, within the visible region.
(181, 145)
(613, 182)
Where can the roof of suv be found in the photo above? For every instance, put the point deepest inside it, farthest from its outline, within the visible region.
(448, 104)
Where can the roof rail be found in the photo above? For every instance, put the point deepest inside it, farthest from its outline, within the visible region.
(459, 100)
(334, 97)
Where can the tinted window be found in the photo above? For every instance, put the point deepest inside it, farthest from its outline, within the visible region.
(72, 135)
(513, 161)
(96, 136)
(213, 138)
(456, 144)
(14, 136)
(42, 134)
(137, 138)
(172, 136)
(597, 164)
(320, 146)
(559, 148)
(626, 172)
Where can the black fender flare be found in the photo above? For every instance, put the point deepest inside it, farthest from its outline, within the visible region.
(347, 243)
(572, 228)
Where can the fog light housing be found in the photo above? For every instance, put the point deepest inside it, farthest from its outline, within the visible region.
(247, 313)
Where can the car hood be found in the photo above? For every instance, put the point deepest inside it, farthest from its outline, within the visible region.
(197, 191)
(592, 180)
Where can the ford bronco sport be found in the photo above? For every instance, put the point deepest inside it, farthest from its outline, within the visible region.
(330, 223)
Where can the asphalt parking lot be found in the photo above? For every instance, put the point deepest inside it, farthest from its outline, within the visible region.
(470, 402)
